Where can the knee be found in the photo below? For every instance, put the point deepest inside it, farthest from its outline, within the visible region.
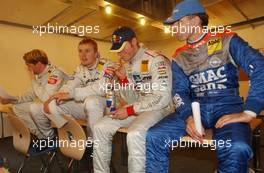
(53, 108)
(135, 135)
(239, 150)
(17, 109)
(35, 108)
(91, 101)
(242, 149)
(99, 128)
(153, 135)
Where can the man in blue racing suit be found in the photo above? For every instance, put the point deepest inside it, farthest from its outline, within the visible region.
(206, 70)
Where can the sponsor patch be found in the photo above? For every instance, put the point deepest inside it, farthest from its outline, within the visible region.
(146, 78)
(100, 66)
(160, 64)
(136, 78)
(52, 79)
(215, 61)
(178, 101)
(214, 45)
(144, 66)
(162, 71)
(163, 77)
(92, 80)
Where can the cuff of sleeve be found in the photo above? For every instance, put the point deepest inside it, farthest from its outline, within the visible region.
(254, 106)
(130, 110)
(253, 114)
(123, 82)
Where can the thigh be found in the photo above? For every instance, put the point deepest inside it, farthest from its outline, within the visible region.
(112, 125)
(74, 109)
(36, 110)
(22, 109)
(234, 132)
(22, 106)
(171, 127)
(145, 120)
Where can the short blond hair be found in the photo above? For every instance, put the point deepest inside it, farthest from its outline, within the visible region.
(89, 41)
(35, 56)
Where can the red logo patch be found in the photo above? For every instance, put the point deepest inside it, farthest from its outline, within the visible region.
(52, 80)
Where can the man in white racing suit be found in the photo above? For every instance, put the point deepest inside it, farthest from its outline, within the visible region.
(46, 80)
(82, 97)
(145, 82)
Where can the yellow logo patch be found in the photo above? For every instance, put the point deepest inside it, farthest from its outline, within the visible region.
(100, 66)
(144, 66)
(214, 45)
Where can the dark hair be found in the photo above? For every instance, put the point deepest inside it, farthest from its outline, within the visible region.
(89, 41)
(204, 18)
(35, 56)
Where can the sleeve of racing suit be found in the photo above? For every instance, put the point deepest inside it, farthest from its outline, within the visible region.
(55, 81)
(73, 82)
(181, 92)
(28, 96)
(252, 62)
(161, 87)
(96, 89)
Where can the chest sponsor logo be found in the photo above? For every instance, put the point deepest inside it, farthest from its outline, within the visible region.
(209, 80)
(146, 78)
(91, 80)
(52, 79)
(214, 45)
(215, 61)
(136, 78)
(144, 66)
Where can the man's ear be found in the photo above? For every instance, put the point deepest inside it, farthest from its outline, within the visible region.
(196, 21)
(97, 54)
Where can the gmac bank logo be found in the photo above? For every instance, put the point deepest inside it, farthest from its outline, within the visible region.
(208, 80)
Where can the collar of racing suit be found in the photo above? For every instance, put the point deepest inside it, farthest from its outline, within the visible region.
(47, 70)
(139, 54)
(201, 37)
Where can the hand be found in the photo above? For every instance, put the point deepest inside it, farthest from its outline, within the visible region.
(120, 70)
(233, 118)
(31, 74)
(60, 96)
(46, 105)
(120, 114)
(5, 101)
(191, 130)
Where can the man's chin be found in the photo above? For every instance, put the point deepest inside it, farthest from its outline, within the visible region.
(85, 63)
(179, 38)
